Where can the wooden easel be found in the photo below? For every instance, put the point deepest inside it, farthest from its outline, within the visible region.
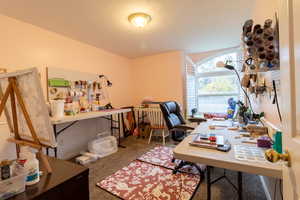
(14, 93)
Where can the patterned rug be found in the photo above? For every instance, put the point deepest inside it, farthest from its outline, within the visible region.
(144, 181)
(162, 156)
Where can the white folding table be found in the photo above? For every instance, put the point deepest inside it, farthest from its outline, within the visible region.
(72, 119)
(226, 160)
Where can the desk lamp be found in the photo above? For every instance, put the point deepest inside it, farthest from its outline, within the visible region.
(221, 64)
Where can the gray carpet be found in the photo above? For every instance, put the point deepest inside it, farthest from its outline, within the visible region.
(136, 147)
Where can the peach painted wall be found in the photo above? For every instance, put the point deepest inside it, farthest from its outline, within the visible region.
(263, 10)
(24, 45)
(266, 10)
(159, 77)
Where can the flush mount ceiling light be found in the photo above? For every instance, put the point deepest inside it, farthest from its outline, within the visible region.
(139, 19)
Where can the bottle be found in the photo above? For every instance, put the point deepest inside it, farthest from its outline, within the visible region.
(262, 56)
(250, 50)
(248, 26)
(5, 170)
(248, 37)
(260, 49)
(258, 40)
(259, 31)
(268, 32)
(275, 61)
(271, 47)
(268, 23)
(271, 38)
(256, 27)
(249, 43)
(270, 55)
(31, 166)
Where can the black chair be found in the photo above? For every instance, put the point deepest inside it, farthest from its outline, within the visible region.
(178, 128)
(174, 120)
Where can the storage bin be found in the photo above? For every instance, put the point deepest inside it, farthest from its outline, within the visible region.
(103, 146)
(12, 186)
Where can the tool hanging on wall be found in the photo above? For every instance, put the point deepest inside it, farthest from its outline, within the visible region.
(275, 100)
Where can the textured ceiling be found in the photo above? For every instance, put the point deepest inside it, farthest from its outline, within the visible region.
(189, 25)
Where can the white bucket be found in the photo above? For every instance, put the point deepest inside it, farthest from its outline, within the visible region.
(57, 108)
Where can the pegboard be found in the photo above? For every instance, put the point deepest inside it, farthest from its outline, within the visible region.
(72, 76)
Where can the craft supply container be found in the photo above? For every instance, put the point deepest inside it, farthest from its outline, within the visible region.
(12, 186)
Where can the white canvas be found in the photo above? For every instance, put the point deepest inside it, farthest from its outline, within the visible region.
(29, 84)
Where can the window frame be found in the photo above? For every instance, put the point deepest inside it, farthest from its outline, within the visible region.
(215, 74)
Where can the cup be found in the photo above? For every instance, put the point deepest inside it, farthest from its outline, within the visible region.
(57, 108)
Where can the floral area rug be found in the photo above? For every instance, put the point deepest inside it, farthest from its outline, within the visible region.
(144, 181)
(162, 156)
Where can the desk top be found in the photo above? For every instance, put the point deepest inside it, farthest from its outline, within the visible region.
(62, 172)
(88, 115)
(226, 160)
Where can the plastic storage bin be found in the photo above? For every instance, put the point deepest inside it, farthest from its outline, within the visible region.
(103, 146)
(12, 186)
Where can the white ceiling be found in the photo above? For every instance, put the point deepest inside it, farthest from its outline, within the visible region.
(189, 25)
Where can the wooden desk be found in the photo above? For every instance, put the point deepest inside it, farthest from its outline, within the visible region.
(68, 181)
(225, 160)
(72, 119)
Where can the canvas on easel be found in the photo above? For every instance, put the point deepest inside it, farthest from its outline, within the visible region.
(25, 105)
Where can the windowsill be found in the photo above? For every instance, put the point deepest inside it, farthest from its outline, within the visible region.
(220, 94)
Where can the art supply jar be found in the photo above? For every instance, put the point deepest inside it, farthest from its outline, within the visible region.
(31, 166)
(57, 108)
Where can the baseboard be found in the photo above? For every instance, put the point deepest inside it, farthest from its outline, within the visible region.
(265, 188)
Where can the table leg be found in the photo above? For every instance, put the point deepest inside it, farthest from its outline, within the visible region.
(208, 182)
(240, 185)
(111, 125)
(55, 134)
(119, 127)
(125, 131)
(119, 130)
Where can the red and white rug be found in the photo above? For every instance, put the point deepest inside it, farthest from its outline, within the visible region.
(162, 156)
(144, 181)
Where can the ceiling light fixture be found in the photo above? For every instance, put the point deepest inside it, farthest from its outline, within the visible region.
(139, 19)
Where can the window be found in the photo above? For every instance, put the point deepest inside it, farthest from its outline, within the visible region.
(209, 87)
